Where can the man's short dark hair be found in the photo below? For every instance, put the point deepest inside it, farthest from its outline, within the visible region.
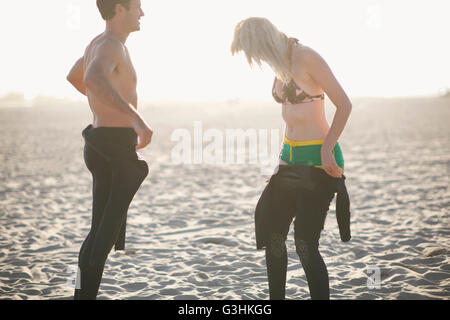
(107, 8)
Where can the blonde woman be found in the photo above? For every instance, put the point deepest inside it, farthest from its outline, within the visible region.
(311, 160)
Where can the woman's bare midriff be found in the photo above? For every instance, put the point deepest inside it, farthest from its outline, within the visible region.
(305, 121)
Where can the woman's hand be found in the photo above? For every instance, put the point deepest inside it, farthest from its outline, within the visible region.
(329, 164)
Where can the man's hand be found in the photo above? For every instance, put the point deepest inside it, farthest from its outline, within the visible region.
(329, 164)
(143, 131)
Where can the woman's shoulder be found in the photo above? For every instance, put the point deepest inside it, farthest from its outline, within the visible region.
(302, 52)
(303, 55)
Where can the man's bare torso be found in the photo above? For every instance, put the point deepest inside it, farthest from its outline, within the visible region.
(123, 79)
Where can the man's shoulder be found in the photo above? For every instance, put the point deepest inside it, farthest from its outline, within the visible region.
(109, 44)
(103, 45)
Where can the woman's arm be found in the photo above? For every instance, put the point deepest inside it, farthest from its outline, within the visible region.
(319, 70)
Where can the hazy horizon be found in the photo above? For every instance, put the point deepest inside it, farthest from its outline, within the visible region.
(376, 48)
(18, 99)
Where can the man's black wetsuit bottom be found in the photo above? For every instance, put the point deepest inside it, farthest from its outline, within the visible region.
(117, 172)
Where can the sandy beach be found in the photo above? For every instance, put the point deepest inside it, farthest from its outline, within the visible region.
(190, 232)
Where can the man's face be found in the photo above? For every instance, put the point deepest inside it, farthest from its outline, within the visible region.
(133, 16)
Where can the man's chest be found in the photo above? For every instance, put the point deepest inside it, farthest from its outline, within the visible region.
(125, 72)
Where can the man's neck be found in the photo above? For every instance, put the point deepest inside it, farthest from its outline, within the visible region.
(114, 31)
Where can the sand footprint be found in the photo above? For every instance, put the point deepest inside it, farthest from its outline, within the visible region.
(133, 287)
(219, 241)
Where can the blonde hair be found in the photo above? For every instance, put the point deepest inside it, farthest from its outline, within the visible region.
(262, 41)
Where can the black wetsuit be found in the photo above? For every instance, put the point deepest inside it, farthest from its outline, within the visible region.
(303, 192)
(118, 171)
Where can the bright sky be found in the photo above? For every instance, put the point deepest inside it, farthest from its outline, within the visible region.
(374, 47)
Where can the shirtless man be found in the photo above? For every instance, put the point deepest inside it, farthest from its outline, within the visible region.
(107, 77)
(105, 73)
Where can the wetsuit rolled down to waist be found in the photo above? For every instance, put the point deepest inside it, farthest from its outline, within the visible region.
(118, 171)
(303, 173)
(307, 153)
(300, 189)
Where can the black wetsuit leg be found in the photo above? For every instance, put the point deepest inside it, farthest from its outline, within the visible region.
(309, 209)
(276, 253)
(309, 221)
(115, 182)
(315, 269)
(101, 187)
(276, 263)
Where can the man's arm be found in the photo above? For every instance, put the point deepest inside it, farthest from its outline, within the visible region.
(107, 56)
(76, 75)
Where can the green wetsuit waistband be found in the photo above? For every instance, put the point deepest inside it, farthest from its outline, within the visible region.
(307, 153)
